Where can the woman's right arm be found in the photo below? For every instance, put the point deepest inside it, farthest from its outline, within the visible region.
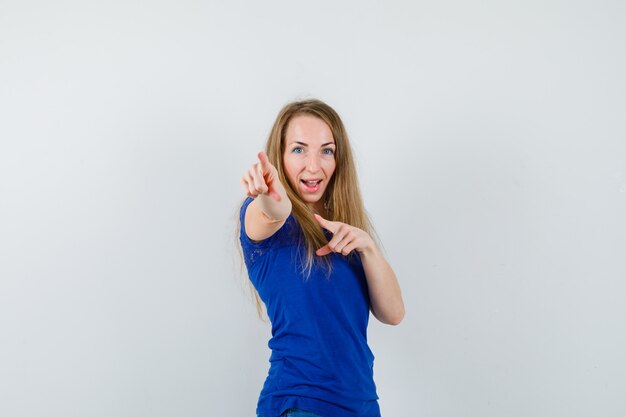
(271, 206)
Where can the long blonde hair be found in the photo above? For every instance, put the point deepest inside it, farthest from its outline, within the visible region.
(342, 198)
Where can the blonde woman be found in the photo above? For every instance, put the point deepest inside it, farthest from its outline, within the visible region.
(308, 249)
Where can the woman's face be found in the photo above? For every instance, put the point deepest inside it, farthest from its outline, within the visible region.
(309, 158)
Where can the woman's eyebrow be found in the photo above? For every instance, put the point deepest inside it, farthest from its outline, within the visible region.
(306, 144)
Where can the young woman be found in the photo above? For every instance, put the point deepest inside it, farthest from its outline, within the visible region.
(307, 247)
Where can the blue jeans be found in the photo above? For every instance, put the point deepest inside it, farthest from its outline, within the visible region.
(295, 412)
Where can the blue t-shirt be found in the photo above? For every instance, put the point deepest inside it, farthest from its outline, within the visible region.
(320, 360)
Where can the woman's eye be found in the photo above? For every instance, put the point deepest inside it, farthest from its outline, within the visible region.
(297, 150)
(328, 151)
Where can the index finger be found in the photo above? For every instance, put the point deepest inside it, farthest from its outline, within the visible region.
(265, 163)
(326, 224)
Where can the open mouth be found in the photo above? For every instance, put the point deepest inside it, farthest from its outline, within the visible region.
(312, 185)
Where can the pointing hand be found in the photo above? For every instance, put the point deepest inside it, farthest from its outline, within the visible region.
(261, 178)
(345, 238)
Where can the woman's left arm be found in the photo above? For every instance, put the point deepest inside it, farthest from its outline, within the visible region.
(384, 289)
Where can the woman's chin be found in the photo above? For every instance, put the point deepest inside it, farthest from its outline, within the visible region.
(310, 199)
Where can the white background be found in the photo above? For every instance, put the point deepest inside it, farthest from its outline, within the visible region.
(490, 139)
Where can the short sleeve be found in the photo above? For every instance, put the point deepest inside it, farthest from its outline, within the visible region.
(252, 250)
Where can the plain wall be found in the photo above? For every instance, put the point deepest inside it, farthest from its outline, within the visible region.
(490, 139)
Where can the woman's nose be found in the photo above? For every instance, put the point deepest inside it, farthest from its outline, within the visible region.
(313, 163)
